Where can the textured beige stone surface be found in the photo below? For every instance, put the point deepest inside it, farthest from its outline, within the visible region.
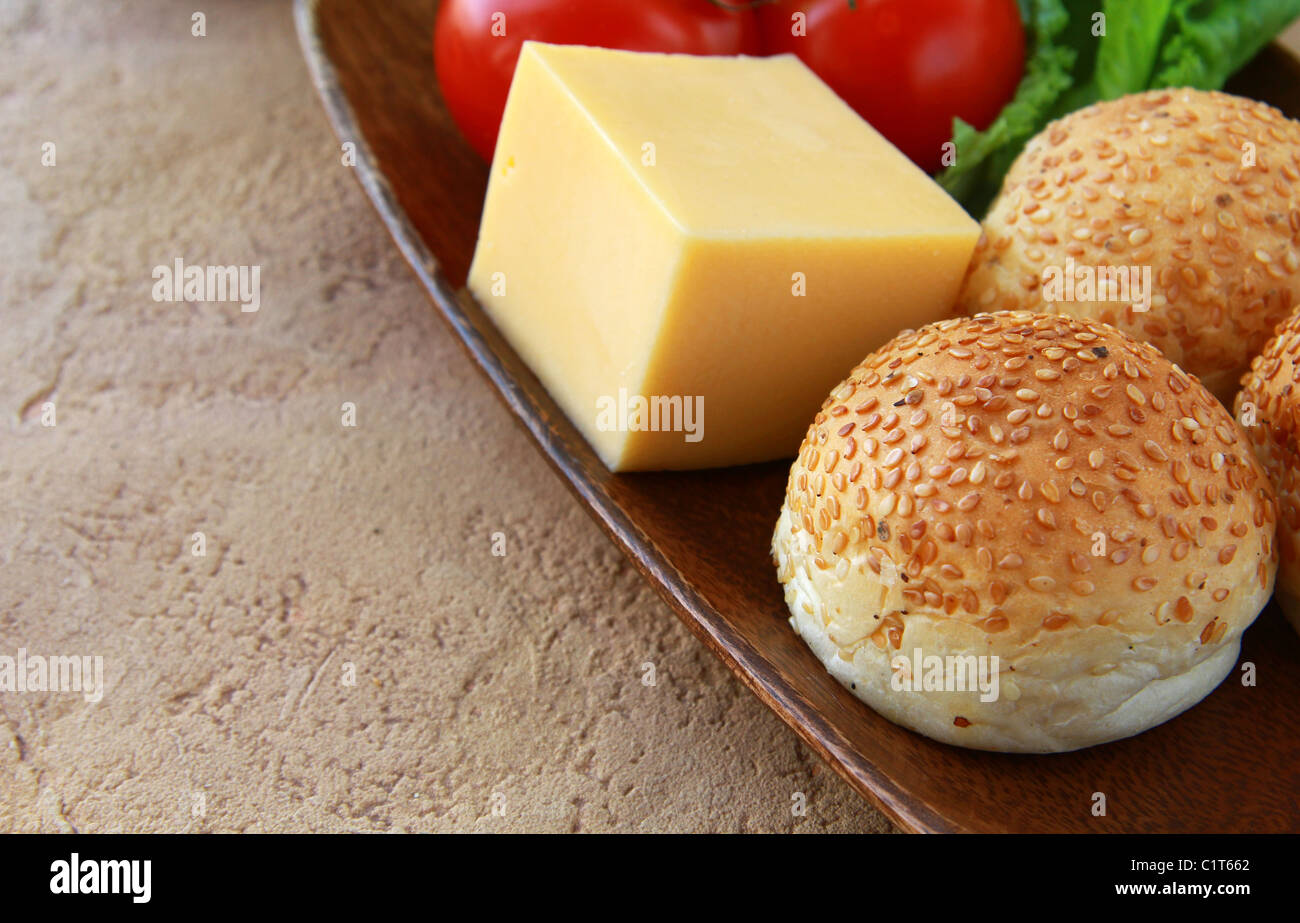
(326, 546)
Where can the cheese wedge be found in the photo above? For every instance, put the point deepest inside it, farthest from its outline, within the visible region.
(689, 252)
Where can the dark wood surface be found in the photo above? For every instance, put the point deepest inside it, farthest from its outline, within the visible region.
(1230, 764)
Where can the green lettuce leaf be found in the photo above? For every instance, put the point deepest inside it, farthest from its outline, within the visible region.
(1147, 44)
(1210, 40)
(1127, 56)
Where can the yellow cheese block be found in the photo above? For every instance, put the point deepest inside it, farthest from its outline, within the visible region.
(690, 252)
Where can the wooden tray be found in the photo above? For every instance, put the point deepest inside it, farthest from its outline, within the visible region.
(1230, 764)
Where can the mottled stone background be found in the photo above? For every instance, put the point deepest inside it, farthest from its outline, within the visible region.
(325, 545)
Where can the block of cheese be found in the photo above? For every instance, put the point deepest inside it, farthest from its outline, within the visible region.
(690, 252)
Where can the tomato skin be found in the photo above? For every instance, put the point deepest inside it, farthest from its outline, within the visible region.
(908, 66)
(474, 66)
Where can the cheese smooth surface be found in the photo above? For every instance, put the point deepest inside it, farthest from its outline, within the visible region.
(650, 219)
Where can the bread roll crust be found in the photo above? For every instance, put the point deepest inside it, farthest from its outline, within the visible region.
(1036, 487)
(1268, 408)
(1201, 187)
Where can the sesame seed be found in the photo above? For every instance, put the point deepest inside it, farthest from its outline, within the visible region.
(994, 624)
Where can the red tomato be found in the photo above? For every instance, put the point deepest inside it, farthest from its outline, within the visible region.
(908, 66)
(475, 62)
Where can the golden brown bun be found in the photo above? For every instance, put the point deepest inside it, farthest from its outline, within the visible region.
(1269, 392)
(1157, 179)
(950, 494)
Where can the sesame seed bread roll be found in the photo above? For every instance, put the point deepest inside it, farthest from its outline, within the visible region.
(1202, 188)
(1268, 407)
(1042, 489)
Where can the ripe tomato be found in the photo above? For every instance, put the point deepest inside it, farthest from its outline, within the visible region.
(475, 62)
(908, 66)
